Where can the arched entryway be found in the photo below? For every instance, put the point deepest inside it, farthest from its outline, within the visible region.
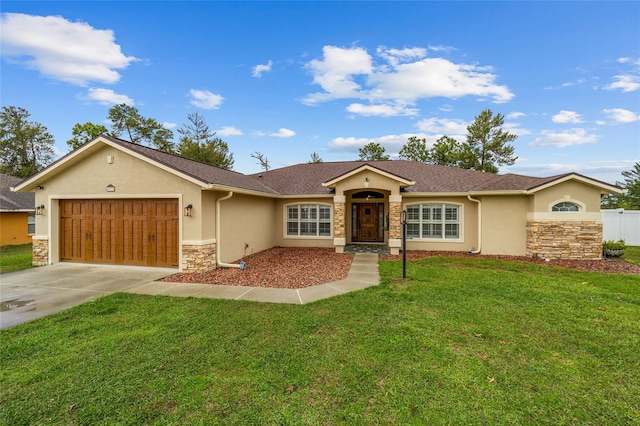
(367, 217)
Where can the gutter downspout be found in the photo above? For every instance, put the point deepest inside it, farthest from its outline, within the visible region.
(479, 225)
(218, 263)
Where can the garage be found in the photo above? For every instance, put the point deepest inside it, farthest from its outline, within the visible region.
(137, 232)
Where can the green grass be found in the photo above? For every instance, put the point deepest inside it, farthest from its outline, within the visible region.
(15, 258)
(632, 254)
(461, 341)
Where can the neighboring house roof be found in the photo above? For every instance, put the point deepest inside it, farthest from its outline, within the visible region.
(14, 201)
(310, 178)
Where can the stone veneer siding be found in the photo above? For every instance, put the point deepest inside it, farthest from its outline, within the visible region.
(198, 258)
(339, 228)
(395, 227)
(564, 239)
(40, 251)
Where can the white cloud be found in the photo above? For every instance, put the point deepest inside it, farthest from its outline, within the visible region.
(627, 83)
(73, 52)
(258, 70)
(432, 77)
(403, 78)
(381, 110)
(440, 48)
(168, 125)
(283, 133)
(605, 170)
(515, 114)
(516, 129)
(229, 131)
(335, 72)
(107, 97)
(563, 139)
(205, 99)
(396, 56)
(621, 115)
(567, 117)
(449, 127)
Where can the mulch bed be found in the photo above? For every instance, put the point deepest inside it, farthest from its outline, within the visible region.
(289, 267)
(609, 266)
(278, 267)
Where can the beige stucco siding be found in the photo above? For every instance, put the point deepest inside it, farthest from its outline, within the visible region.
(375, 181)
(504, 221)
(247, 226)
(468, 223)
(131, 177)
(282, 240)
(572, 191)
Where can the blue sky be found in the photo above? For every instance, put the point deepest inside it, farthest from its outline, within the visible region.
(290, 78)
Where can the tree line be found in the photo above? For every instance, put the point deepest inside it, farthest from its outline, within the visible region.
(26, 147)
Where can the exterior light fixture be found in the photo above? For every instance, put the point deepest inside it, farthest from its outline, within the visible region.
(188, 210)
(111, 188)
(40, 187)
(40, 210)
(366, 182)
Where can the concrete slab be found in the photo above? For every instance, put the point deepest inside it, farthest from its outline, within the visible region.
(38, 292)
(271, 295)
(232, 292)
(319, 292)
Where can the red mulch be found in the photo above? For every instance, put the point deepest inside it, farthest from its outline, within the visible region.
(278, 267)
(609, 266)
(289, 267)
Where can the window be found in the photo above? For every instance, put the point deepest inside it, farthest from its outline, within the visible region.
(565, 207)
(31, 224)
(309, 220)
(433, 221)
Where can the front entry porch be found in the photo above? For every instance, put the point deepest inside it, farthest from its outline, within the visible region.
(367, 248)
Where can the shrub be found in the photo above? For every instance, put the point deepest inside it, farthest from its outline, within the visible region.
(613, 248)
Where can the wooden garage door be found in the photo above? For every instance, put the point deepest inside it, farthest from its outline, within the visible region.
(121, 232)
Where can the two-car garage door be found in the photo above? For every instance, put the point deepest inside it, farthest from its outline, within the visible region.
(141, 232)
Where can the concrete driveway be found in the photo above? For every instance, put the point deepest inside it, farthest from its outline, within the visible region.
(38, 292)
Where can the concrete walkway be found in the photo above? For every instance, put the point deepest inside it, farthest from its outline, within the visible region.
(363, 274)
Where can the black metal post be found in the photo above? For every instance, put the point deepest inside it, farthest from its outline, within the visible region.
(403, 219)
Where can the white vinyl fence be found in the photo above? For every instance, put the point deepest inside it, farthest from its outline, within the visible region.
(621, 224)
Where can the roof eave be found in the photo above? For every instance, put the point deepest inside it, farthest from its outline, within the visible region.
(403, 182)
(605, 188)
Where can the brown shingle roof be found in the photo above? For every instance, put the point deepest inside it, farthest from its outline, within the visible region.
(14, 200)
(205, 173)
(308, 178)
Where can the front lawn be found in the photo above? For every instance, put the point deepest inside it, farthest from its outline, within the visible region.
(632, 254)
(15, 258)
(463, 340)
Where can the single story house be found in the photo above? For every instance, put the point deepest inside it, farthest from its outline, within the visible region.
(115, 202)
(17, 213)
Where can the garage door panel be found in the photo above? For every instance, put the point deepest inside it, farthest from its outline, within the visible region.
(103, 241)
(140, 232)
(135, 244)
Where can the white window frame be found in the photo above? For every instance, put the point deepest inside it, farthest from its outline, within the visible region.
(577, 207)
(567, 199)
(299, 220)
(440, 220)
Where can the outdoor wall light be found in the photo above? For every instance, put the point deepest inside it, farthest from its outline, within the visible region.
(40, 187)
(188, 210)
(366, 182)
(40, 210)
(111, 188)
